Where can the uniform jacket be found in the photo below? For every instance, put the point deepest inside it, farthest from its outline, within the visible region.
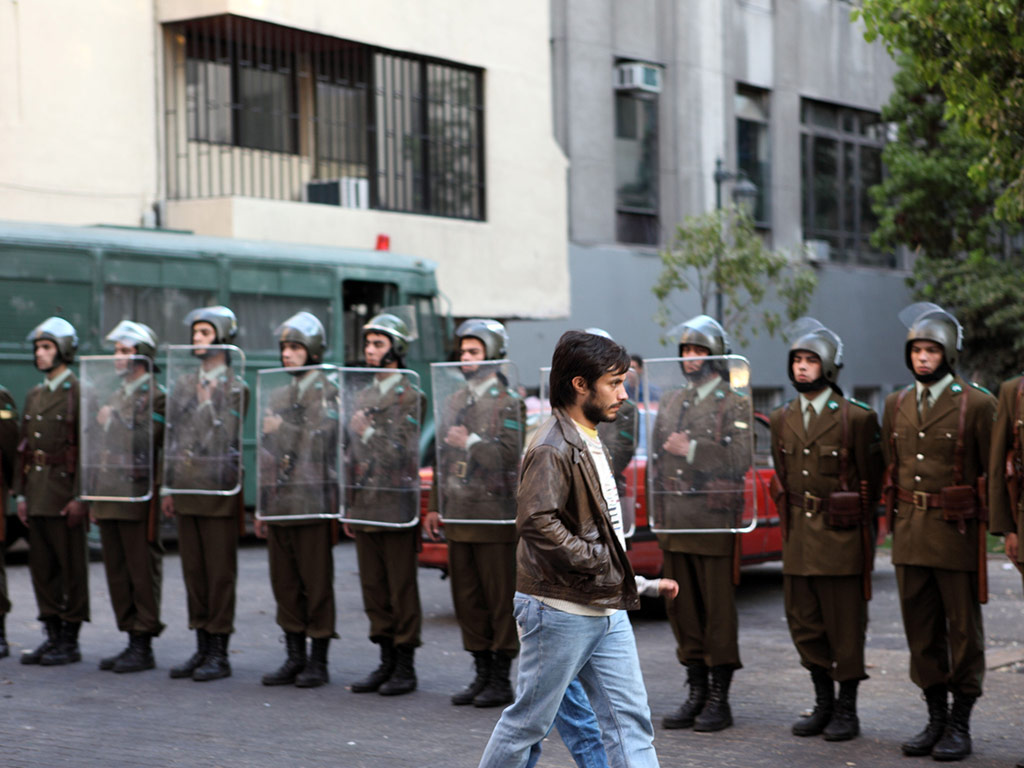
(1008, 424)
(924, 462)
(50, 425)
(8, 449)
(480, 482)
(381, 470)
(810, 463)
(202, 451)
(567, 549)
(725, 456)
(132, 422)
(298, 462)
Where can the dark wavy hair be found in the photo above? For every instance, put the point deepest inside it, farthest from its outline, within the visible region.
(582, 354)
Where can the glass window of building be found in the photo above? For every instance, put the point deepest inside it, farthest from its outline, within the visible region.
(636, 153)
(840, 160)
(753, 146)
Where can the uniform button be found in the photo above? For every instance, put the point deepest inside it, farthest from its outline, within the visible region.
(804, 472)
(807, 451)
(917, 478)
(920, 457)
(807, 514)
(38, 434)
(920, 434)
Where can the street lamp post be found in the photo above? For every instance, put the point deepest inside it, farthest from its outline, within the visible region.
(744, 194)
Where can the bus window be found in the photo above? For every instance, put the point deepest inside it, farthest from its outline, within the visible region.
(431, 344)
(259, 315)
(362, 300)
(161, 308)
(27, 303)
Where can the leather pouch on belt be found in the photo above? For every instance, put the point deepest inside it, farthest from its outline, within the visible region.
(959, 502)
(844, 510)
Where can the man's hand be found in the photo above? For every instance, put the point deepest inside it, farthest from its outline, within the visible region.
(457, 436)
(678, 444)
(1011, 547)
(271, 423)
(23, 512)
(668, 588)
(104, 415)
(359, 423)
(75, 511)
(348, 530)
(167, 506)
(204, 389)
(259, 527)
(432, 525)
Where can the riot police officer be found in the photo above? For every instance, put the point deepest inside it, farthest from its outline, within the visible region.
(204, 413)
(936, 438)
(380, 452)
(828, 466)
(478, 462)
(47, 485)
(131, 421)
(298, 446)
(8, 460)
(701, 430)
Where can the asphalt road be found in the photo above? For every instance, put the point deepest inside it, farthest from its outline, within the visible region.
(79, 716)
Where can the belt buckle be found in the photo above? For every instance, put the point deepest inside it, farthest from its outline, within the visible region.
(921, 501)
(812, 504)
(459, 469)
(39, 457)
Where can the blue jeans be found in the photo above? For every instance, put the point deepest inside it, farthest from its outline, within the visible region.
(577, 725)
(556, 647)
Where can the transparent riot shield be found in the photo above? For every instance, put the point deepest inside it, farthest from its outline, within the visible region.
(298, 421)
(480, 419)
(206, 403)
(116, 427)
(700, 448)
(621, 438)
(381, 413)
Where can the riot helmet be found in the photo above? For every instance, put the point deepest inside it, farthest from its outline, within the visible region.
(222, 319)
(703, 331)
(396, 329)
(138, 335)
(810, 335)
(491, 334)
(598, 332)
(61, 333)
(930, 322)
(304, 328)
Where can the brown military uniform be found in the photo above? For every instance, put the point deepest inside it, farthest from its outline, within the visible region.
(823, 557)
(300, 457)
(703, 615)
(936, 559)
(480, 482)
(48, 478)
(205, 456)
(8, 460)
(1007, 435)
(387, 556)
(130, 531)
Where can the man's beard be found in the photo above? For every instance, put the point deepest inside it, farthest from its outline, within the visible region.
(702, 374)
(938, 373)
(594, 413)
(810, 386)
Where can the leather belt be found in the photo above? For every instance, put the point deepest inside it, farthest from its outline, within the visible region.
(808, 502)
(42, 458)
(921, 500)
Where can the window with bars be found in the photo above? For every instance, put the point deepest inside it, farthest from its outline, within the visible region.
(841, 159)
(260, 110)
(753, 146)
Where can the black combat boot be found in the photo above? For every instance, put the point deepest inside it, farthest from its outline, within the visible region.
(196, 659)
(51, 626)
(295, 644)
(315, 673)
(66, 650)
(845, 724)
(717, 714)
(697, 679)
(107, 662)
(403, 679)
(482, 662)
(955, 743)
(216, 664)
(382, 673)
(138, 657)
(938, 714)
(5, 649)
(824, 703)
(498, 690)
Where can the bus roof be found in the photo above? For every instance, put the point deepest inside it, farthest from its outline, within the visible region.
(182, 243)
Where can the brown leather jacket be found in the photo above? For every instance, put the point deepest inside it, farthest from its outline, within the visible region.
(567, 549)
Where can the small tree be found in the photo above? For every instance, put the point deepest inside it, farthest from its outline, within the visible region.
(719, 253)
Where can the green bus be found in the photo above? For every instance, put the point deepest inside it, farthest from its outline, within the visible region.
(96, 276)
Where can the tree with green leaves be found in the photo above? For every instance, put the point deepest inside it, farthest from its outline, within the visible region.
(720, 254)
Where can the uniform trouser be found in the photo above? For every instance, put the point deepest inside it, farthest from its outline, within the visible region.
(302, 577)
(391, 594)
(58, 560)
(942, 621)
(828, 618)
(5, 600)
(134, 567)
(209, 562)
(483, 577)
(703, 615)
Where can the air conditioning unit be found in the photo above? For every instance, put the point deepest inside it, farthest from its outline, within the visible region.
(818, 251)
(637, 76)
(347, 192)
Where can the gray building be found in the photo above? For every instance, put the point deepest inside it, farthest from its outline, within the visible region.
(649, 94)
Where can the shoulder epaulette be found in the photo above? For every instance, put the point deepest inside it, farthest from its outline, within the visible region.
(980, 388)
(859, 404)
